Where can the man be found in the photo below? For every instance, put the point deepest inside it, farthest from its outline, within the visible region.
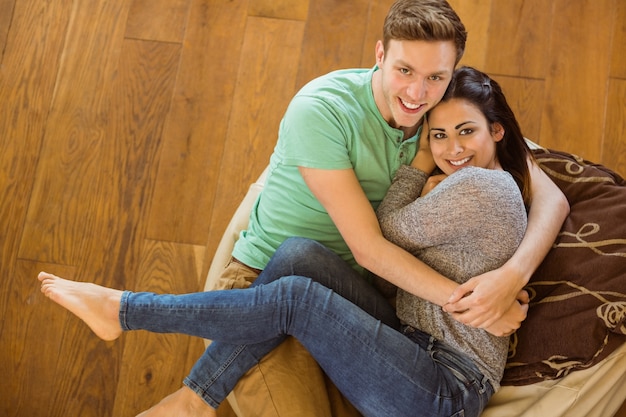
(340, 142)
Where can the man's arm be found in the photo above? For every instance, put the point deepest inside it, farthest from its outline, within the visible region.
(490, 295)
(342, 196)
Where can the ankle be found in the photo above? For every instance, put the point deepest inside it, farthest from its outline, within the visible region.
(196, 403)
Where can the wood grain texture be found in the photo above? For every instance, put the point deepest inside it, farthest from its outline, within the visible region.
(618, 57)
(131, 129)
(525, 96)
(148, 370)
(158, 20)
(266, 82)
(196, 126)
(6, 15)
(333, 37)
(476, 16)
(280, 9)
(519, 38)
(614, 145)
(373, 31)
(580, 50)
(63, 203)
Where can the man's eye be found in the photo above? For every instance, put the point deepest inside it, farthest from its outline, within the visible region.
(404, 71)
(435, 78)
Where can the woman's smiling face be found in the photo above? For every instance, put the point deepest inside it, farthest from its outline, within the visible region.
(461, 136)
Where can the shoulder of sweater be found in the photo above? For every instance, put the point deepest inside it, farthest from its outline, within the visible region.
(482, 178)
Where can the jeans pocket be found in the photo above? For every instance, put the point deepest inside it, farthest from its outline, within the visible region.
(445, 362)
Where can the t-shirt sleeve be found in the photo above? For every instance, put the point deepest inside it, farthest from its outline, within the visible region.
(313, 135)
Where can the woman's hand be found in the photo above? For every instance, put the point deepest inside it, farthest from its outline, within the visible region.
(432, 182)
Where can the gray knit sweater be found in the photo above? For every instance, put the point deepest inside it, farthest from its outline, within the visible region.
(471, 223)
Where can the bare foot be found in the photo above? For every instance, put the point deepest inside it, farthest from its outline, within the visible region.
(182, 403)
(97, 306)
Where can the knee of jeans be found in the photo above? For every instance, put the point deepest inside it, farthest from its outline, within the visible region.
(298, 249)
(295, 287)
(300, 244)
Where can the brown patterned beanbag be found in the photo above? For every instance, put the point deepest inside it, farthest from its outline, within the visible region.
(577, 314)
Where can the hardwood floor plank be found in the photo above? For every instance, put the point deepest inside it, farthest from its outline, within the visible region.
(153, 366)
(6, 16)
(280, 9)
(61, 210)
(139, 102)
(519, 35)
(373, 31)
(333, 39)
(574, 113)
(117, 200)
(158, 20)
(196, 126)
(31, 331)
(265, 85)
(84, 374)
(46, 353)
(614, 149)
(476, 16)
(27, 82)
(30, 51)
(618, 57)
(526, 98)
(27, 78)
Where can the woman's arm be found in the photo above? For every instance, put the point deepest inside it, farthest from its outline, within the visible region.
(483, 300)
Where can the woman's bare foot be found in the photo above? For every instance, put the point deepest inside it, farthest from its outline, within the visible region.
(182, 403)
(97, 306)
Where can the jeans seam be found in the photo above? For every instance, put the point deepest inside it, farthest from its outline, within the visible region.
(203, 390)
(124, 310)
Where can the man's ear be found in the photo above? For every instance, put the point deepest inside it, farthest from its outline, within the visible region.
(380, 53)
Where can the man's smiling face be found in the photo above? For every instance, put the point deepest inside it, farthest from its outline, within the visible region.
(412, 77)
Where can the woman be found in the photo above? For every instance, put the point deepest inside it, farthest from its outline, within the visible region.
(464, 222)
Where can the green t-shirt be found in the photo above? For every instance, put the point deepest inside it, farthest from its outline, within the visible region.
(332, 123)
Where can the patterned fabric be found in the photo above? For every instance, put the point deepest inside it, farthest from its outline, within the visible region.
(577, 314)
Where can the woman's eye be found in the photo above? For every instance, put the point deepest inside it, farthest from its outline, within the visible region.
(438, 135)
(466, 131)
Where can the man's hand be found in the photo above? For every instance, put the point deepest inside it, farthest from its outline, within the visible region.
(512, 319)
(424, 158)
(483, 300)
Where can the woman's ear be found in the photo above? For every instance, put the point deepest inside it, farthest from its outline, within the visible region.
(497, 131)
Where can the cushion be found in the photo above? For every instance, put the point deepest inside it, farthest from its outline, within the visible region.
(577, 315)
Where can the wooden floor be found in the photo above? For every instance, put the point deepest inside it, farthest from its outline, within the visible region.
(130, 130)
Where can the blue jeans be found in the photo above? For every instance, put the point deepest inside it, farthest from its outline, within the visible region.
(381, 370)
(222, 365)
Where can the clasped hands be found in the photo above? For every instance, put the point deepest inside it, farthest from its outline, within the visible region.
(491, 302)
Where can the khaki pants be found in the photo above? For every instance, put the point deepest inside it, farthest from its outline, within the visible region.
(287, 382)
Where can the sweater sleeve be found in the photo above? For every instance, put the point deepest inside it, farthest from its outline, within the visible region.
(464, 203)
(405, 188)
